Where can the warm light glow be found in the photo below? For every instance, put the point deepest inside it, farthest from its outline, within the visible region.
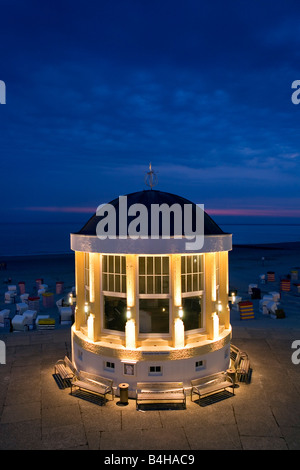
(215, 317)
(214, 279)
(176, 274)
(92, 276)
(130, 334)
(86, 307)
(179, 333)
(130, 293)
(180, 312)
(90, 326)
(128, 313)
(130, 279)
(71, 299)
(219, 306)
(233, 297)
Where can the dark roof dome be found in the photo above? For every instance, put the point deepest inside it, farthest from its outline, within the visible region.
(147, 198)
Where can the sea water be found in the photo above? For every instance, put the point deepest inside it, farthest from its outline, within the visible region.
(38, 238)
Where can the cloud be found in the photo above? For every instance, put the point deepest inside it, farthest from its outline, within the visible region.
(195, 88)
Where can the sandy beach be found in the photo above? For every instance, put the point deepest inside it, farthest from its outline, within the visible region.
(36, 414)
(246, 264)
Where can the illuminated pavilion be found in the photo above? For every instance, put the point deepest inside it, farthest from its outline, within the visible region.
(148, 309)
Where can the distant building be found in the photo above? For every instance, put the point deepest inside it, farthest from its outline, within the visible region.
(148, 308)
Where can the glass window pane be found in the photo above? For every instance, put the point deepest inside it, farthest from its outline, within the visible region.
(111, 282)
(149, 285)
(123, 264)
(104, 287)
(189, 264)
(114, 313)
(154, 316)
(142, 285)
(123, 283)
(183, 283)
(165, 265)
(149, 265)
(183, 265)
(142, 265)
(117, 283)
(111, 264)
(189, 283)
(195, 264)
(117, 264)
(192, 312)
(201, 281)
(157, 265)
(157, 285)
(104, 263)
(165, 284)
(195, 282)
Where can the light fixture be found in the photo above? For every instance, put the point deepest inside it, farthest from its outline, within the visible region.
(180, 312)
(86, 307)
(71, 299)
(128, 313)
(215, 318)
(91, 326)
(219, 306)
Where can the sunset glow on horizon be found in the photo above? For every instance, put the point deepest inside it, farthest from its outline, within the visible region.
(248, 212)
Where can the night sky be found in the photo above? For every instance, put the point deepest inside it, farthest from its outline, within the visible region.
(95, 91)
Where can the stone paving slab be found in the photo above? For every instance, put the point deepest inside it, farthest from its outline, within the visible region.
(35, 413)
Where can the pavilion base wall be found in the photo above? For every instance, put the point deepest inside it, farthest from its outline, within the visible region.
(132, 366)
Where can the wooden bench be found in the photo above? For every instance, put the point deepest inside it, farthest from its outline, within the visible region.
(211, 384)
(240, 363)
(93, 383)
(65, 368)
(160, 392)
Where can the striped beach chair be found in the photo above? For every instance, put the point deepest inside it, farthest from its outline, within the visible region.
(246, 310)
(270, 276)
(285, 285)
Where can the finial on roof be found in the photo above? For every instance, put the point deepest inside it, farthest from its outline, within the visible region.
(151, 177)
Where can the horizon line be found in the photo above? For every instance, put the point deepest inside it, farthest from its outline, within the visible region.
(251, 212)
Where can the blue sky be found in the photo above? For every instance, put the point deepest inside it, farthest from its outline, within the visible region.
(97, 90)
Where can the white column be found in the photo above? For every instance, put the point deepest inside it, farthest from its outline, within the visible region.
(178, 333)
(130, 334)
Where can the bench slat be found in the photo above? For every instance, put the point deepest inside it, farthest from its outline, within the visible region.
(160, 391)
(210, 384)
(211, 388)
(93, 383)
(65, 368)
(93, 387)
(159, 396)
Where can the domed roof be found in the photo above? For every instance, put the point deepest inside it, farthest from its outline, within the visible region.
(147, 198)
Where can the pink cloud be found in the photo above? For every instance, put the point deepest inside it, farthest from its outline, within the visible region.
(256, 212)
(251, 212)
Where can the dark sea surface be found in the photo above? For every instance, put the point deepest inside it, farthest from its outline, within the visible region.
(32, 238)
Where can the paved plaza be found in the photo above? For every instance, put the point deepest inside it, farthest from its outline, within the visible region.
(36, 413)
